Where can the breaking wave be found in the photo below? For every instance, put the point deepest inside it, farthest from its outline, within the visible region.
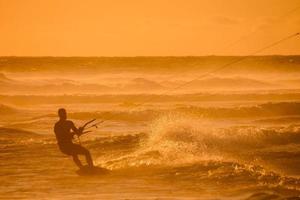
(182, 148)
(175, 139)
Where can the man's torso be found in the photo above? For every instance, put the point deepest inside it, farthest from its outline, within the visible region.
(62, 130)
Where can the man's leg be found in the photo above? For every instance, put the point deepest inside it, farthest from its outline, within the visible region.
(88, 158)
(77, 161)
(83, 151)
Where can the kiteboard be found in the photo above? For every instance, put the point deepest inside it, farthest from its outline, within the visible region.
(92, 171)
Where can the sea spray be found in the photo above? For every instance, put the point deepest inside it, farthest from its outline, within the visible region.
(179, 139)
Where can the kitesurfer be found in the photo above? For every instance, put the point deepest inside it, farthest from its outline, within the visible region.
(65, 131)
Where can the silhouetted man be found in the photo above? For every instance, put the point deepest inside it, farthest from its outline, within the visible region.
(64, 137)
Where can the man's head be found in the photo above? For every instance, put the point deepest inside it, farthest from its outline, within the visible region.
(62, 113)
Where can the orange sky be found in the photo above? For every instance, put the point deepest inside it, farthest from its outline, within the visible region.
(146, 28)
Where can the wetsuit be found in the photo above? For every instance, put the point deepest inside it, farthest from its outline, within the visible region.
(64, 137)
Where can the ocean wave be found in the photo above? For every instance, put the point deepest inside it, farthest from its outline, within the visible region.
(260, 110)
(13, 136)
(283, 112)
(16, 133)
(182, 148)
(280, 120)
(7, 110)
(175, 139)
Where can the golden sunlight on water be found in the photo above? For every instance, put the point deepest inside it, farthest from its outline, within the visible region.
(150, 127)
(232, 135)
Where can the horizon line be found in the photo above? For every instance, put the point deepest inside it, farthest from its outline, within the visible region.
(183, 56)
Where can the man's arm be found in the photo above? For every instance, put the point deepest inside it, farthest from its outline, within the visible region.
(76, 131)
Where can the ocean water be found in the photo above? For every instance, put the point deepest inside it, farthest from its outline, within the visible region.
(211, 144)
(174, 155)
